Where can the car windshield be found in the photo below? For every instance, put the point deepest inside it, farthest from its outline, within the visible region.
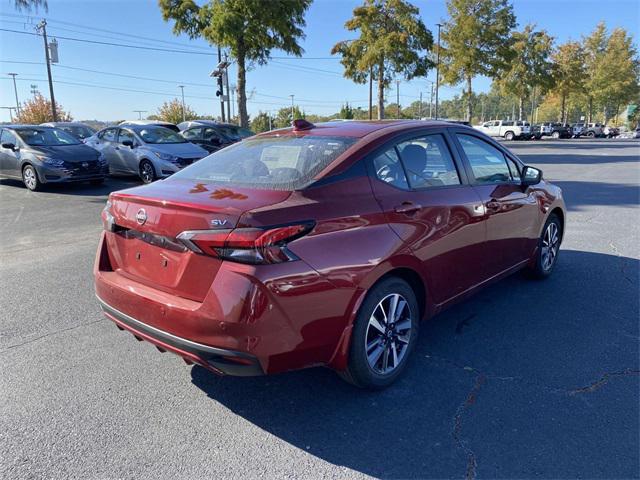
(46, 137)
(236, 133)
(154, 134)
(78, 131)
(275, 163)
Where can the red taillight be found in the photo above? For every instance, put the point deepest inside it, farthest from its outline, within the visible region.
(247, 245)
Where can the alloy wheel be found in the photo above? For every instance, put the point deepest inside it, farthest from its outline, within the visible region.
(29, 177)
(146, 172)
(550, 245)
(388, 334)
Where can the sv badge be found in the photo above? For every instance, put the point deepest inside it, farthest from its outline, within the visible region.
(216, 222)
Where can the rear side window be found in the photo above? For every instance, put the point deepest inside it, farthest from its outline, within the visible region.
(488, 164)
(389, 170)
(428, 162)
(192, 134)
(7, 137)
(108, 135)
(276, 163)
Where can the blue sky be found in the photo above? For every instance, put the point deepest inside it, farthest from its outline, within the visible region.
(317, 84)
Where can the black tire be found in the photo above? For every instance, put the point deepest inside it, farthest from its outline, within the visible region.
(509, 136)
(541, 269)
(147, 172)
(591, 134)
(97, 182)
(30, 178)
(555, 135)
(359, 371)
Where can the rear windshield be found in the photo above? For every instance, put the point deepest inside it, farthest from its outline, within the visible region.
(47, 137)
(276, 163)
(80, 132)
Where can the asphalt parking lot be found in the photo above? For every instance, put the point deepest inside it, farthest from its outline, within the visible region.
(528, 379)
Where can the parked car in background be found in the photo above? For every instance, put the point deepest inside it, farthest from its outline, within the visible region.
(507, 129)
(77, 129)
(149, 151)
(158, 123)
(322, 245)
(593, 130)
(577, 130)
(610, 131)
(208, 134)
(552, 129)
(39, 155)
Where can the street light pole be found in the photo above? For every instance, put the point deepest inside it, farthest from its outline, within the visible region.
(10, 112)
(42, 26)
(15, 89)
(398, 98)
(438, 69)
(181, 87)
(140, 112)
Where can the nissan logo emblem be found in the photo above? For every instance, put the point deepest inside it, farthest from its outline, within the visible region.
(141, 216)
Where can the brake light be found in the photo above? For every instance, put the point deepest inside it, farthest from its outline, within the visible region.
(255, 246)
(108, 221)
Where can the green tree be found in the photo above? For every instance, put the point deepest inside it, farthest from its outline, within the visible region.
(172, 112)
(595, 85)
(28, 5)
(346, 112)
(283, 117)
(475, 41)
(530, 69)
(250, 29)
(569, 74)
(262, 122)
(392, 41)
(620, 62)
(38, 110)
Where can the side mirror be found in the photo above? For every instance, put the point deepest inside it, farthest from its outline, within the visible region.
(531, 176)
(127, 143)
(9, 146)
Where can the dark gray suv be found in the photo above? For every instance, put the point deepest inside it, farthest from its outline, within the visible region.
(39, 155)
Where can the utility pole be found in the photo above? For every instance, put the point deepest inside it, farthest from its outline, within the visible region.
(398, 99)
(140, 112)
(226, 81)
(34, 90)
(292, 119)
(370, 92)
(181, 87)
(42, 26)
(15, 89)
(220, 87)
(233, 107)
(438, 69)
(420, 108)
(431, 101)
(10, 112)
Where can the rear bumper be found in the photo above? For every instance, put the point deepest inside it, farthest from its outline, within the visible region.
(218, 360)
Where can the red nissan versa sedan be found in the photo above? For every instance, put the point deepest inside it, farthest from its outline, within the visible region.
(322, 245)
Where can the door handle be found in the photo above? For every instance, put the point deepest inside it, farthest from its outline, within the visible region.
(407, 207)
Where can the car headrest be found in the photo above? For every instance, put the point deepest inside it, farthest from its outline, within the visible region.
(414, 158)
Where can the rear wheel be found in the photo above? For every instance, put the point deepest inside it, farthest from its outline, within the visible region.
(147, 172)
(548, 248)
(591, 134)
(509, 136)
(556, 135)
(383, 336)
(30, 178)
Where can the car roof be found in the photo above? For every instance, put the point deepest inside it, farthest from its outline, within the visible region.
(17, 126)
(56, 124)
(359, 128)
(144, 122)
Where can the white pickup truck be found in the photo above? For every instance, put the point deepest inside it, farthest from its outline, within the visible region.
(507, 129)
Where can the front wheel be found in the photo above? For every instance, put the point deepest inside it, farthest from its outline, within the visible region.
(548, 248)
(509, 136)
(555, 135)
(147, 172)
(30, 178)
(384, 335)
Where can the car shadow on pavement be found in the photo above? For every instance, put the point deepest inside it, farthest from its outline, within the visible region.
(490, 390)
(582, 194)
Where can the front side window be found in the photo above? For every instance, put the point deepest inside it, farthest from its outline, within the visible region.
(7, 137)
(125, 135)
(488, 164)
(211, 135)
(192, 134)
(275, 163)
(389, 170)
(50, 137)
(428, 162)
